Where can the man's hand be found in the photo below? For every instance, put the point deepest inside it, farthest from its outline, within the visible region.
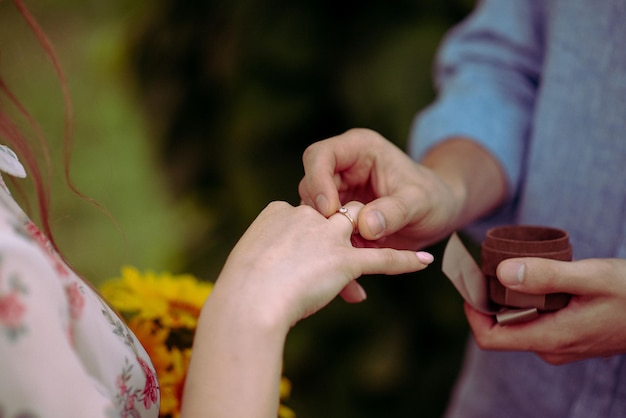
(407, 205)
(593, 324)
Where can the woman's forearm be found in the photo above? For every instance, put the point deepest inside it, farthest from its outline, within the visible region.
(236, 366)
(290, 263)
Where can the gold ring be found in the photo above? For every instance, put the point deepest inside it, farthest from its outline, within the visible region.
(345, 213)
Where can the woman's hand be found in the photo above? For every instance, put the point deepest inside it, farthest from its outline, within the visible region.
(593, 324)
(292, 261)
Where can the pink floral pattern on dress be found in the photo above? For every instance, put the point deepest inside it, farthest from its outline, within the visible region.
(42, 301)
(128, 397)
(76, 303)
(11, 313)
(151, 389)
(45, 244)
(12, 308)
(76, 299)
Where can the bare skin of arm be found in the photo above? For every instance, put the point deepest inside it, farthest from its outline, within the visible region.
(275, 276)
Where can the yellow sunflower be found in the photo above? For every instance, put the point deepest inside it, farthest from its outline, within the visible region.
(162, 310)
(173, 300)
(172, 382)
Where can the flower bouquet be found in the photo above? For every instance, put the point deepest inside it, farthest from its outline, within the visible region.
(162, 310)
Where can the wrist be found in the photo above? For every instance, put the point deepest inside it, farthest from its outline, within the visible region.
(473, 176)
(236, 364)
(246, 310)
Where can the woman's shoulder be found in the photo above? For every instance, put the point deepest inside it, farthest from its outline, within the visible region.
(54, 325)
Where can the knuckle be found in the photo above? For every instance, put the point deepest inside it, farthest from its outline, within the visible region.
(302, 189)
(606, 268)
(550, 272)
(357, 132)
(277, 205)
(363, 133)
(389, 256)
(307, 210)
(309, 153)
(401, 208)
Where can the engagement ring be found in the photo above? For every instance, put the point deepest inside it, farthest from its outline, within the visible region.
(345, 213)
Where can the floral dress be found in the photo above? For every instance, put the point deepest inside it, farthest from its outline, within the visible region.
(63, 351)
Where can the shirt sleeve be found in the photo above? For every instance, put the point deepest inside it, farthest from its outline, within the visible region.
(41, 374)
(487, 75)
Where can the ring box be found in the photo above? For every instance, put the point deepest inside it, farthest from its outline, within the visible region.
(512, 241)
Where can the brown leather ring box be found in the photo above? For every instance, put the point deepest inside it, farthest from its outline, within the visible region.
(523, 241)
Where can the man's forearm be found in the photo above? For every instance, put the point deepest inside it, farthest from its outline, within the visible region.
(478, 180)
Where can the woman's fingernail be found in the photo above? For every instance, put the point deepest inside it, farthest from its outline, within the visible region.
(321, 204)
(375, 223)
(511, 273)
(425, 257)
(361, 293)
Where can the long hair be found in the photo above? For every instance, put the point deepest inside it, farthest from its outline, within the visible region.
(22, 144)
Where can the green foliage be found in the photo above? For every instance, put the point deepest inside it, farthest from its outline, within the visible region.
(240, 88)
(113, 161)
(192, 115)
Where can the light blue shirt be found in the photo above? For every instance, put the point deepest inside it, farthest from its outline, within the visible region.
(542, 85)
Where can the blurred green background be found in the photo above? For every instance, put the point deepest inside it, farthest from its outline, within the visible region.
(190, 116)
